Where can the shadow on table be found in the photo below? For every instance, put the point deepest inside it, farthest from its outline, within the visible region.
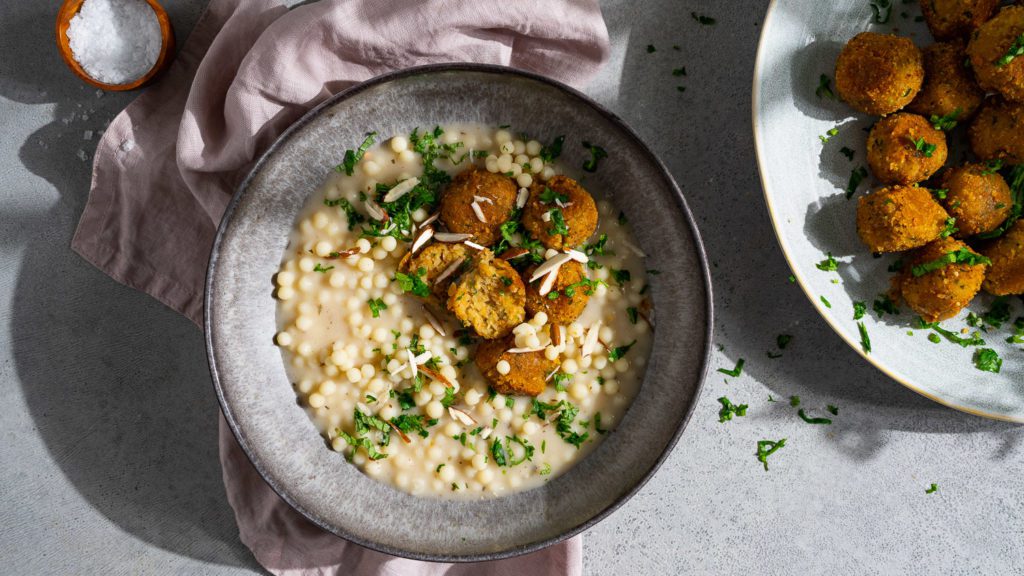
(706, 139)
(117, 385)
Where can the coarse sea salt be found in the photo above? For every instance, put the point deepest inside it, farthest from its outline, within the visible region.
(115, 41)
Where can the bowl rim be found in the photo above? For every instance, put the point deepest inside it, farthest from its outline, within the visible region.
(758, 82)
(498, 70)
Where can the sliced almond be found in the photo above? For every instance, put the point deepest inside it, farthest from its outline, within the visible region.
(430, 219)
(551, 375)
(343, 254)
(546, 217)
(434, 322)
(548, 265)
(555, 333)
(449, 270)
(522, 197)
(479, 213)
(590, 340)
(375, 211)
(401, 189)
(482, 199)
(486, 432)
(474, 245)
(451, 237)
(398, 431)
(513, 253)
(578, 256)
(424, 357)
(435, 375)
(422, 239)
(460, 416)
(412, 360)
(548, 283)
(524, 350)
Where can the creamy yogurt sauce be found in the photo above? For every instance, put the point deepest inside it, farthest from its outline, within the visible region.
(358, 348)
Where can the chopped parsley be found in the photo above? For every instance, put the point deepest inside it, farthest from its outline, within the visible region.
(766, 448)
(859, 309)
(558, 225)
(735, 372)
(679, 71)
(847, 152)
(782, 340)
(931, 489)
(549, 196)
(498, 453)
(828, 264)
(1017, 192)
(1018, 332)
(945, 123)
(857, 175)
(352, 157)
(828, 135)
(632, 314)
(940, 194)
(552, 151)
(825, 88)
(376, 305)
(865, 339)
(413, 283)
(703, 20)
(729, 410)
(619, 351)
(597, 424)
(998, 313)
(992, 166)
(545, 470)
(832, 409)
(596, 155)
(353, 217)
(825, 301)
(884, 305)
(413, 424)
(987, 360)
(1016, 49)
(794, 401)
(924, 147)
(621, 276)
(974, 340)
(651, 49)
(949, 229)
(960, 256)
(321, 269)
(803, 416)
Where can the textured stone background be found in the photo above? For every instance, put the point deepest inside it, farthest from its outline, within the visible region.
(108, 460)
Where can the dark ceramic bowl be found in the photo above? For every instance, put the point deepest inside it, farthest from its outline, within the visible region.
(259, 402)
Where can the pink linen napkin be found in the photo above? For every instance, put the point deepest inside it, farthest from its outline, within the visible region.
(166, 167)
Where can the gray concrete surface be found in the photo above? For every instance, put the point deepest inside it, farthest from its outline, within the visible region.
(108, 459)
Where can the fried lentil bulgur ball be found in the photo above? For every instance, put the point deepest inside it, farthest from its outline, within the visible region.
(905, 149)
(1006, 274)
(998, 131)
(988, 50)
(949, 88)
(579, 213)
(565, 308)
(879, 73)
(948, 19)
(457, 200)
(941, 293)
(528, 370)
(489, 296)
(899, 218)
(434, 260)
(977, 197)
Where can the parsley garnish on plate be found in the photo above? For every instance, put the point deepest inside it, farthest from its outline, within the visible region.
(974, 340)
(828, 264)
(352, 157)
(1016, 49)
(987, 360)
(552, 151)
(735, 372)
(950, 228)
(828, 135)
(885, 305)
(931, 489)
(833, 410)
(729, 410)
(847, 152)
(960, 256)
(992, 166)
(549, 196)
(632, 313)
(782, 340)
(703, 20)
(859, 309)
(794, 401)
(857, 175)
(319, 268)
(803, 416)
(825, 301)
(413, 283)
(558, 225)
(766, 448)
(924, 147)
(825, 88)
(620, 351)
(865, 339)
(376, 305)
(679, 71)
(596, 155)
(621, 276)
(945, 123)
(651, 49)
(1016, 180)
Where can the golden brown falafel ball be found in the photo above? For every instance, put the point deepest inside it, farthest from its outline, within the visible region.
(543, 216)
(998, 131)
(943, 292)
(898, 218)
(905, 149)
(977, 197)
(949, 19)
(434, 260)
(990, 53)
(949, 88)
(1006, 274)
(528, 370)
(489, 296)
(573, 294)
(879, 73)
(498, 199)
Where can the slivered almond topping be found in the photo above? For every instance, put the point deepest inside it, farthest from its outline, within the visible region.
(479, 213)
(451, 237)
(513, 253)
(387, 229)
(555, 331)
(398, 431)
(546, 217)
(449, 270)
(460, 416)
(551, 264)
(401, 189)
(434, 322)
(524, 350)
(578, 256)
(430, 219)
(522, 197)
(559, 202)
(412, 360)
(590, 340)
(343, 254)
(483, 199)
(548, 283)
(375, 211)
(435, 375)
(422, 239)
(474, 245)
(551, 375)
(424, 357)
(486, 432)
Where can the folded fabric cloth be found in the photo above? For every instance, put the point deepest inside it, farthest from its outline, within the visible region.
(167, 166)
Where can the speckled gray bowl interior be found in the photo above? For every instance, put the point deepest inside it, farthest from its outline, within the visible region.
(260, 404)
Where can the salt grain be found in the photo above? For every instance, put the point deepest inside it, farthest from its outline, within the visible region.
(115, 41)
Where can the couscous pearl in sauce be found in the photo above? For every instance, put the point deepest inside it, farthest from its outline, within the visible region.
(356, 344)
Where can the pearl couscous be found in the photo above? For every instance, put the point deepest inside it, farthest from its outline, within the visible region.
(384, 294)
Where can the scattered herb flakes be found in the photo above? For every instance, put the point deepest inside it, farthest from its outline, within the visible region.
(545, 470)
(947, 122)
(679, 71)
(1016, 180)
(735, 372)
(320, 268)
(729, 410)
(794, 401)
(896, 266)
(621, 276)
(825, 301)
(619, 351)
(1016, 49)
(924, 147)
(974, 339)
(376, 305)
(438, 469)
(803, 416)
(596, 155)
(828, 264)
(865, 339)
(828, 135)
(651, 49)
(950, 228)
(766, 448)
(703, 20)
(847, 152)
(792, 279)
(552, 151)
(859, 310)
(558, 225)
(549, 196)
(824, 89)
(857, 175)
(352, 157)
(940, 194)
(783, 340)
(992, 166)
(632, 313)
(987, 360)
(960, 256)
(884, 305)
(412, 283)
(933, 488)
(1018, 332)
(934, 338)
(998, 313)
(832, 409)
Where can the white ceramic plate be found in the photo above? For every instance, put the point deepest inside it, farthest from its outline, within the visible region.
(804, 183)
